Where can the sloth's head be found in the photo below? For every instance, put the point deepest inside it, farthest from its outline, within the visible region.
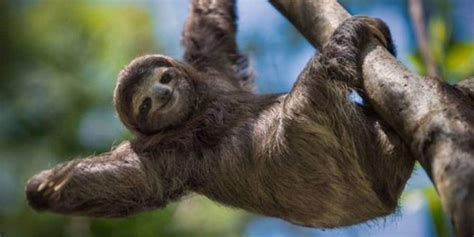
(154, 92)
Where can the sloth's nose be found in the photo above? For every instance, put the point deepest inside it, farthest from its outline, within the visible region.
(161, 92)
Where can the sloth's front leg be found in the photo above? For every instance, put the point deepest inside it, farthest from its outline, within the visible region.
(341, 56)
(114, 184)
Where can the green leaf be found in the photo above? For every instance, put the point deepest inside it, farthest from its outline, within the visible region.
(438, 35)
(443, 229)
(460, 61)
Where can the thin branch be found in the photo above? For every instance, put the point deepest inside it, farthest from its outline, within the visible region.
(416, 13)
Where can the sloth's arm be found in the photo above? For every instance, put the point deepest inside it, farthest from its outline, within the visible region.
(209, 39)
(113, 184)
(341, 55)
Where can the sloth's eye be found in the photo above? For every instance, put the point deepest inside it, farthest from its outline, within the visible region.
(166, 78)
(145, 106)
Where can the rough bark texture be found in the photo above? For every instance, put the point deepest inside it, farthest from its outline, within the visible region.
(435, 119)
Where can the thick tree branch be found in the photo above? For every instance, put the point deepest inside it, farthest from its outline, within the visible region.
(433, 118)
(316, 20)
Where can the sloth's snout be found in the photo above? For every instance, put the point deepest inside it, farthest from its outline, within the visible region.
(161, 92)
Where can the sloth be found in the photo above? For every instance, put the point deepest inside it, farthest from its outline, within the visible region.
(310, 156)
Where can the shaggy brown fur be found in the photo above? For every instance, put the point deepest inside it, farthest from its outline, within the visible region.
(311, 156)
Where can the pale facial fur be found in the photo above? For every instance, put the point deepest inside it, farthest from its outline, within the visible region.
(161, 98)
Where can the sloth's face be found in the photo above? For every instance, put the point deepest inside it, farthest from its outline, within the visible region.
(161, 98)
(154, 92)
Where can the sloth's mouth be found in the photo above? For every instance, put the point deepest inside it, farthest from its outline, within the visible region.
(171, 97)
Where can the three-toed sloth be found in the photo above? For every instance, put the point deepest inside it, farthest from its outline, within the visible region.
(311, 156)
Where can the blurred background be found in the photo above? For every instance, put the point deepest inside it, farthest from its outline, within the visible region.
(58, 64)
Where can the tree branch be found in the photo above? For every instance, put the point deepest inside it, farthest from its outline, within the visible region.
(436, 120)
(416, 13)
(316, 20)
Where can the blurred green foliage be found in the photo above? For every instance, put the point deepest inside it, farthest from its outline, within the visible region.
(455, 59)
(62, 59)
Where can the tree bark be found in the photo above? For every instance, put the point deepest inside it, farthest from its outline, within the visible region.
(435, 119)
